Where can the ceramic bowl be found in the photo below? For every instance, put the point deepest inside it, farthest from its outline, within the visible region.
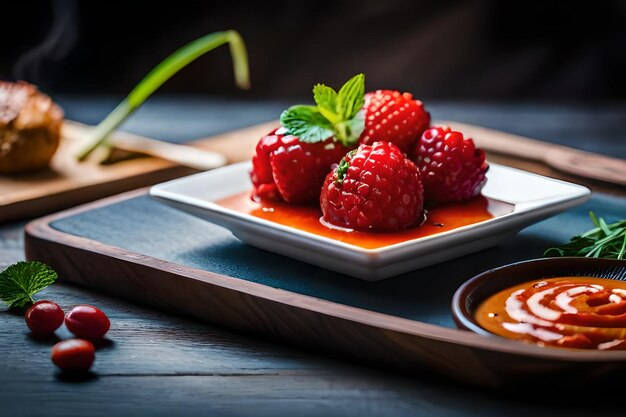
(473, 292)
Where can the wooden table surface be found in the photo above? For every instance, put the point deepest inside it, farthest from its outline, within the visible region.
(158, 364)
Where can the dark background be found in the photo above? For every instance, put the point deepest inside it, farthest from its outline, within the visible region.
(513, 50)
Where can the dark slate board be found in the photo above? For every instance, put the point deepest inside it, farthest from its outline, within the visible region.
(142, 225)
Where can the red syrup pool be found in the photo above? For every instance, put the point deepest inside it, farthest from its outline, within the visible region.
(307, 218)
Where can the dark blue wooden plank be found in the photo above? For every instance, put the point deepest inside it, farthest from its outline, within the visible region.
(147, 227)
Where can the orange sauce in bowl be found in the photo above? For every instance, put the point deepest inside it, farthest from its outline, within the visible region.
(307, 218)
(569, 312)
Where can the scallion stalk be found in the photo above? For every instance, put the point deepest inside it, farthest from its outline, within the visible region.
(164, 71)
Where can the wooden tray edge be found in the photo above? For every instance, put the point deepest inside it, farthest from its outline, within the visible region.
(244, 305)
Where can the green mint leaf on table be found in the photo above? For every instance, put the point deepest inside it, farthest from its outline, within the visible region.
(603, 241)
(335, 115)
(20, 281)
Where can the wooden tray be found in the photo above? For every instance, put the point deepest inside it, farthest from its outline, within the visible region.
(69, 182)
(137, 248)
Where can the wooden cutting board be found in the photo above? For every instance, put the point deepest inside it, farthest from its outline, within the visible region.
(69, 182)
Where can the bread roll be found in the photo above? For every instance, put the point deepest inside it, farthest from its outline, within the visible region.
(30, 125)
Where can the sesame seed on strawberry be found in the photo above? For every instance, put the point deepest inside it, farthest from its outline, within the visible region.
(451, 167)
(374, 188)
(394, 117)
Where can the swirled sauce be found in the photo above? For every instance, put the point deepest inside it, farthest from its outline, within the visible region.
(307, 218)
(570, 312)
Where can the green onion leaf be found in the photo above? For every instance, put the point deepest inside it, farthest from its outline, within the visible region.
(164, 71)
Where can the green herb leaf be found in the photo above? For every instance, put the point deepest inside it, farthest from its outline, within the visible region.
(163, 72)
(352, 128)
(603, 241)
(307, 123)
(351, 97)
(341, 114)
(326, 100)
(20, 281)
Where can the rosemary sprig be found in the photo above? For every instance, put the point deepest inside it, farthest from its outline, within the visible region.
(603, 241)
(164, 71)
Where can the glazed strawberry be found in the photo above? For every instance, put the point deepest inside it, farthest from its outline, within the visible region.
(395, 117)
(291, 163)
(285, 168)
(299, 168)
(451, 167)
(375, 188)
(261, 174)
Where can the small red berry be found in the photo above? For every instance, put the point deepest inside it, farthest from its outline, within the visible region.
(73, 355)
(393, 117)
(44, 317)
(375, 188)
(451, 166)
(87, 322)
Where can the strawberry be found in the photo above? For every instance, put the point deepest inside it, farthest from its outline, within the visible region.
(296, 169)
(291, 163)
(395, 117)
(264, 187)
(375, 188)
(451, 166)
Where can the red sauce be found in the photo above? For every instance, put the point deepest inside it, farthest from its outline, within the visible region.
(307, 218)
(571, 312)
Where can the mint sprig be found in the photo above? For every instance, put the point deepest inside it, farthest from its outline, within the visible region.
(20, 281)
(336, 114)
(307, 123)
(603, 241)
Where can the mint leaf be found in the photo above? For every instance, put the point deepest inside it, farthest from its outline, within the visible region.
(307, 123)
(336, 115)
(20, 281)
(326, 100)
(351, 97)
(353, 128)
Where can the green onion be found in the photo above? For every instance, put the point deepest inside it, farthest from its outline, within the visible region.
(603, 241)
(164, 71)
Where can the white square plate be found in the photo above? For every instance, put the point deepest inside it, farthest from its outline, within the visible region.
(534, 198)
